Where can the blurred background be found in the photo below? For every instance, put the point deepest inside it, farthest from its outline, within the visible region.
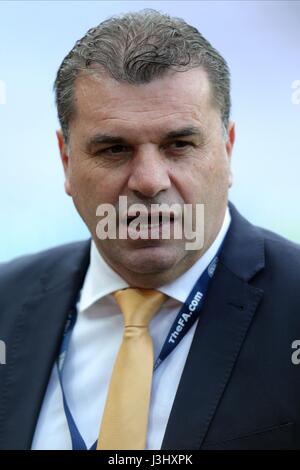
(260, 41)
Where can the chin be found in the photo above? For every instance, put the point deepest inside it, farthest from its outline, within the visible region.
(151, 260)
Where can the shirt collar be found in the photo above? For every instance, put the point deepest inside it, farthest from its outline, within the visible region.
(101, 279)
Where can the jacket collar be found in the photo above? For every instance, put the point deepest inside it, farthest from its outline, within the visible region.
(243, 251)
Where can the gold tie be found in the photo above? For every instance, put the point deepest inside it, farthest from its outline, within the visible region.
(125, 418)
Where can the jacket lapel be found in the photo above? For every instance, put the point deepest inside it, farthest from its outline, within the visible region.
(222, 327)
(36, 338)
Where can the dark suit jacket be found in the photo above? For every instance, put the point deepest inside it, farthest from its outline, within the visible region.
(239, 388)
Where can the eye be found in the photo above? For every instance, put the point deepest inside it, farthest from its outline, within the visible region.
(181, 144)
(116, 149)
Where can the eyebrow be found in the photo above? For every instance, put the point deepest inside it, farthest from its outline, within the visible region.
(99, 139)
(184, 132)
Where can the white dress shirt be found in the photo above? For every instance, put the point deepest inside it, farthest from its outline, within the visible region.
(93, 348)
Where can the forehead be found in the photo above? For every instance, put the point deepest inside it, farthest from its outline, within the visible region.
(102, 102)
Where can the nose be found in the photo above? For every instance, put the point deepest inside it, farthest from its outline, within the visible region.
(149, 173)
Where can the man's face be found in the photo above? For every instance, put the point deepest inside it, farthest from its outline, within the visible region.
(148, 164)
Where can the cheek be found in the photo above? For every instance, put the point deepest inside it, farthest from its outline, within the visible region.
(192, 178)
(202, 179)
(89, 183)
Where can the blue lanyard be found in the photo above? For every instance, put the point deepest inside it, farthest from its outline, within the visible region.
(185, 319)
(189, 312)
(77, 440)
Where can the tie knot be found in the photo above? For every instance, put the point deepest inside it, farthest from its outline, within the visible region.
(138, 305)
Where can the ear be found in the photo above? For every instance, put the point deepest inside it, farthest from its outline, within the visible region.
(229, 148)
(65, 160)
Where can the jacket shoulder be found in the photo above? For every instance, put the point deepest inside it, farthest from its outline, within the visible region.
(17, 271)
(279, 246)
(282, 264)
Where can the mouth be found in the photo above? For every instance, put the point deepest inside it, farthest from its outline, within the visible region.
(149, 219)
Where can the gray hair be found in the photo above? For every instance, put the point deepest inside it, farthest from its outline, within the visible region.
(137, 48)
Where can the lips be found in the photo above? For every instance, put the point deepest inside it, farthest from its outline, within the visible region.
(151, 218)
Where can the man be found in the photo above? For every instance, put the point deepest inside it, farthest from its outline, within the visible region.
(144, 107)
